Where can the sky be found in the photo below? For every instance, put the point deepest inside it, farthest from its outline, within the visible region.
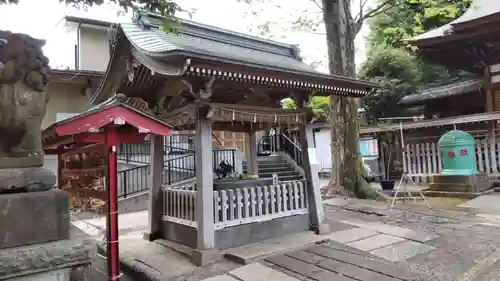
(44, 19)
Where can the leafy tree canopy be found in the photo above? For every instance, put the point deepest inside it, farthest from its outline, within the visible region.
(396, 71)
(412, 17)
(319, 105)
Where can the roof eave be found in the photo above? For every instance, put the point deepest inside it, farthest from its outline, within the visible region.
(333, 78)
(98, 23)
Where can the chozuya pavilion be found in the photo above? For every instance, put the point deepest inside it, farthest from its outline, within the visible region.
(204, 78)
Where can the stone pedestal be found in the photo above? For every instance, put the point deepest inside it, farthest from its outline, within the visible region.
(33, 217)
(460, 183)
(34, 239)
(64, 260)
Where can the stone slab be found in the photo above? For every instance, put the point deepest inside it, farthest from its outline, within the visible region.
(375, 242)
(259, 272)
(221, 278)
(350, 235)
(406, 233)
(353, 271)
(486, 203)
(306, 269)
(33, 259)
(33, 217)
(402, 251)
(366, 262)
(338, 226)
(306, 256)
(249, 253)
(151, 260)
(56, 275)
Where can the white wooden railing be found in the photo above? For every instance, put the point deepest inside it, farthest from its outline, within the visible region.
(424, 160)
(179, 203)
(256, 204)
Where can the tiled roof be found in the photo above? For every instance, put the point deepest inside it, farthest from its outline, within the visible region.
(426, 123)
(201, 50)
(442, 91)
(194, 38)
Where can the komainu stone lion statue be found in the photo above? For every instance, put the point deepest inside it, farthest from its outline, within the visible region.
(23, 80)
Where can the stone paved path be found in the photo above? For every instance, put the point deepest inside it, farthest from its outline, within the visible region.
(467, 247)
(448, 245)
(389, 242)
(329, 261)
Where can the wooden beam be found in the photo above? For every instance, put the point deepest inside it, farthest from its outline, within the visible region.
(227, 127)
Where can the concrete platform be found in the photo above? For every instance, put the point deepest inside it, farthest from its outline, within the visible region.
(250, 253)
(489, 204)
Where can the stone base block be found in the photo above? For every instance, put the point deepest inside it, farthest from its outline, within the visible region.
(204, 257)
(151, 236)
(33, 217)
(67, 259)
(460, 183)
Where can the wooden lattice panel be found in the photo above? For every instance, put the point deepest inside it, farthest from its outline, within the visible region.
(81, 174)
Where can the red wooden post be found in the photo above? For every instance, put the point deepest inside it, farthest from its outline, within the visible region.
(111, 141)
(84, 129)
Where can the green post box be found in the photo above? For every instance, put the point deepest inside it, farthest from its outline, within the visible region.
(458, 149)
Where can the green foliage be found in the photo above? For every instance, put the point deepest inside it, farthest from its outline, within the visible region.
(402, 22)
(319, 105)
(288, 104)
(396, 71)
(412, 17)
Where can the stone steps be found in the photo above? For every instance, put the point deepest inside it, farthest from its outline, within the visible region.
(267, 166)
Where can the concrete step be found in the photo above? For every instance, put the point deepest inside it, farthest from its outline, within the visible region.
(249, 253)
(268, 163)
(290, 178)
(280, 174)
(271, 166)
(270, 171)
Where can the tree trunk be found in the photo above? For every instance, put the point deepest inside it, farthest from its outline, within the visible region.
(347, 170)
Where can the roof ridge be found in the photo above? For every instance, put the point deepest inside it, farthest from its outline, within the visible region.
(458, 83)
(189, 27)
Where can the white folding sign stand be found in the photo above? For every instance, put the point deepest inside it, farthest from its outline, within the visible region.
(402, 187)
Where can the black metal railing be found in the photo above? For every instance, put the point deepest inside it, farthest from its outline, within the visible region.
(179, 168)
(268, 145)
(134, 153)
(291, 148)
(179, 165)
(139, 153)
(132, 181)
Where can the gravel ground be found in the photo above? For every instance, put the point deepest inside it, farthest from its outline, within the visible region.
(464, 243)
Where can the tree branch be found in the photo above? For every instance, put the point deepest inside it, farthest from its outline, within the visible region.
(381, 8)
(317, 4)
(361, 8)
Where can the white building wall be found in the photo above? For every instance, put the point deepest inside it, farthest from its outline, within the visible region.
(93, 49)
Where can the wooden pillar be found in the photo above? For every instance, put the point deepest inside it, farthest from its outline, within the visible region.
(311, 169)
(111, 141)
(253, 168)
(205, 250)
(155, 180)
(489, 92)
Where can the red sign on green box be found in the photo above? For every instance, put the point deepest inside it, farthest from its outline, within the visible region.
(457, 149)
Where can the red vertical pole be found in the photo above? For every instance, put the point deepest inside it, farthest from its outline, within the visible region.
(112, 188)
